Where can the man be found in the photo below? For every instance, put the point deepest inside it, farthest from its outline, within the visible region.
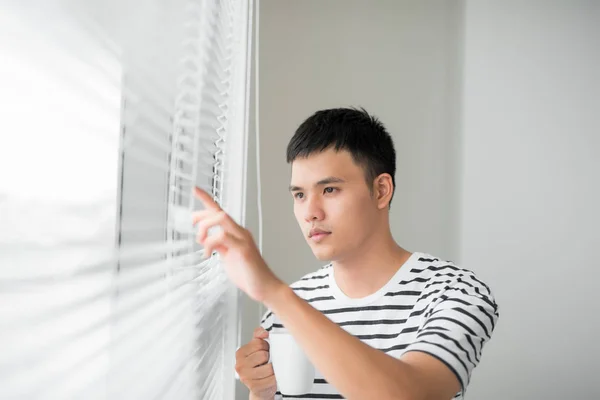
(378, 322)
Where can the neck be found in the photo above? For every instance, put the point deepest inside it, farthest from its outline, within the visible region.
(371, 266)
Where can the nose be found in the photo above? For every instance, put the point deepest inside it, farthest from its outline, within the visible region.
(314, 210)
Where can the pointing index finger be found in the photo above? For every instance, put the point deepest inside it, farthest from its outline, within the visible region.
(205, 198)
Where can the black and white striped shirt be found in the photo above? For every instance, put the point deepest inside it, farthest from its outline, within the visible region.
(430, 305)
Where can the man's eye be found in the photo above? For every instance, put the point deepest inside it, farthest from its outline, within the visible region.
(329, 190)
(299, 195)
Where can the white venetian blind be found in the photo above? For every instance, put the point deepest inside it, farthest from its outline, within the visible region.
(111, 111)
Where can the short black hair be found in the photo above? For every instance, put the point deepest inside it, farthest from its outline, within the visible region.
(350, 129)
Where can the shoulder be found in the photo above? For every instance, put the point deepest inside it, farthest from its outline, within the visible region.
(314, 278)
(436, 268)
(445, 279)
(429, 265)
(435, 271)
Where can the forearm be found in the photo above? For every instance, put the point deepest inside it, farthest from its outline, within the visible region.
(357, 370)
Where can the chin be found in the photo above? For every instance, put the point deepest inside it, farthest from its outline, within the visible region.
(322, 257)
(323, 254)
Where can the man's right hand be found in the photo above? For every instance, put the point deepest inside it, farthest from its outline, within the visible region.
(253, 367)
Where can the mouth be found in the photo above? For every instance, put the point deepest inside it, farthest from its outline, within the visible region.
(318, 236)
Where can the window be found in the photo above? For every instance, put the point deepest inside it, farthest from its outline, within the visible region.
(111, 113)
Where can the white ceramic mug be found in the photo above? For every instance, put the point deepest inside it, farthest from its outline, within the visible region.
(294, 372)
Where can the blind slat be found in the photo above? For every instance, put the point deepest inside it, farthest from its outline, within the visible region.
(137, 102)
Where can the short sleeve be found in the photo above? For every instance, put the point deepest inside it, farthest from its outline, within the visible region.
(267, 321)
(458, 325)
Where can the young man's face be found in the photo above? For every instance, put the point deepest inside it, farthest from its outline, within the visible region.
(333, 204)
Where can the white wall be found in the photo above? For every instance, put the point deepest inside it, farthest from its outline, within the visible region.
(493, 107)
(399, 60)
(318, 54)
(531, 192)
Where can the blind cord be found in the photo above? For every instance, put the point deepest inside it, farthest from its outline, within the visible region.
(257, 133)
(257, 128)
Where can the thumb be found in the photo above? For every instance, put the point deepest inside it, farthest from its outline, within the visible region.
(261, 333)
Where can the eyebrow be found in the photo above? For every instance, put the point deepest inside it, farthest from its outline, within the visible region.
(326, 181)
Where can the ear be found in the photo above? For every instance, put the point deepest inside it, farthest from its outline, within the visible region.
(383, 188)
